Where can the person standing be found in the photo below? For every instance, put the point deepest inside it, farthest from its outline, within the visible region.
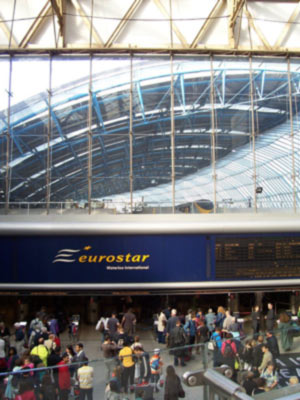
(112, 324)
(285, 328)
(255, 317)
(64, 378)
(125, 356)
(156, 367)
(273, 344)
(210, 319)
(161, 327)
(129, 322)
(85, 376)
(270, 318)
(109, 348)
(178, 340)
(267, 358)
(173, 387)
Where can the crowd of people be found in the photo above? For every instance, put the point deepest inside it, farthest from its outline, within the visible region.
(36, 367)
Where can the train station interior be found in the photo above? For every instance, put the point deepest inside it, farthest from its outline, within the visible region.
(149, 158)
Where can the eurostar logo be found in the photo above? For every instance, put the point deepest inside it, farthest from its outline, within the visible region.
(69, 256)
(65, 256)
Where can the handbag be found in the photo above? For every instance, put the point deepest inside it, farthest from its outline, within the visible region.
(211, 345)
(181, 393)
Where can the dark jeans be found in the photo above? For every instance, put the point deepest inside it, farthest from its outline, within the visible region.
(83, 393)
(127, 375)
(64, 394)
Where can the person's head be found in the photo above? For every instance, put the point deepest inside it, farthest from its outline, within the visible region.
(136, 339)
(269, 333)
(221, 310)
(85, 361)
(227, 313)
(41, 340)
(173, 312)
(70, 350)
(18, 362)
(229, 335)
(260, 382)
(138, 350)
(270, 306)
(218, 329)
(284, 317)
(12, 351)
(178, 323)
(113, 385)
(293, 380)
(260, 339)
(78, 347)
(256, 308)
(117, 371)
(107, 338)
(249, 375)
(270, 367)
(65, 357)
(170, 371)
(265, 348)
(156, 352)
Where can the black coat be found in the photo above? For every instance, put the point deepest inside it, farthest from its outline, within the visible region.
(273, 346)
(172, 388)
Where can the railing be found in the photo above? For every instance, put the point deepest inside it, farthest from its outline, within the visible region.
(114, 207)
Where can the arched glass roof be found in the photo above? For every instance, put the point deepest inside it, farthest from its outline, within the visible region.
(232, 132)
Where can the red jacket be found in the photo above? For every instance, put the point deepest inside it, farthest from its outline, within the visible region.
(64, 378)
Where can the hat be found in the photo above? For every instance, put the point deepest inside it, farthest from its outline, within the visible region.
(156, 351)
(17, 324)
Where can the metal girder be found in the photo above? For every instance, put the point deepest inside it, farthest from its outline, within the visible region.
(287, 26)
(234, 7)
(124, 21)
(208, 22)
(59, 7)
(39, 21)
(256, 29)
(87, 21)
(174, 27)
(8, 32)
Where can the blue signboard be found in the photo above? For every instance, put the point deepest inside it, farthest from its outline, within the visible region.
(104, 259)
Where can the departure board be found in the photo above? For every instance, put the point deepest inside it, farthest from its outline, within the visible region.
(257, 257)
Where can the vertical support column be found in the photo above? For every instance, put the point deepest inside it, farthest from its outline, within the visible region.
(213, 133)
(253, 134)
(292, 136)
(131, 134)
(49, 133)
(8, 136)
(172, 136)
(258, 299)
(90, 137)
(293, 303)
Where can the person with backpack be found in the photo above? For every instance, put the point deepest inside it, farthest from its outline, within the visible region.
(190, 330)
(178, 340)
(12, 386)
(229, 351)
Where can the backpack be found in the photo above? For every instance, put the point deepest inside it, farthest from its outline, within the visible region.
(179, 337)
(15, 380)
(228, 351)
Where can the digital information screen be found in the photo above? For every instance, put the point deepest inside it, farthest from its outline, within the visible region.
(257, 257)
